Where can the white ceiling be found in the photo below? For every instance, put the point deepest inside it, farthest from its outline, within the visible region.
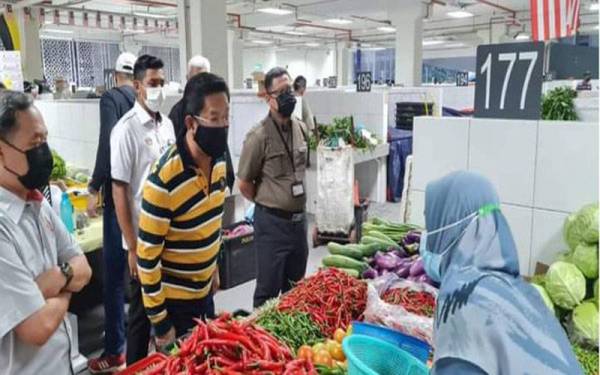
(309, 18)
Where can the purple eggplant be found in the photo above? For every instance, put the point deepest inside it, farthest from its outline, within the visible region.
(403, 271)
(370, 273)
(417, 268)
(400, 252)
(413, 278)
(386, 261)
(412, 237)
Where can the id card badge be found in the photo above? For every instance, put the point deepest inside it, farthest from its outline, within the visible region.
(297, 189)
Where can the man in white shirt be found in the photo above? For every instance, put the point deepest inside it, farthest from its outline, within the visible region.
(41, 265)
(136, 142)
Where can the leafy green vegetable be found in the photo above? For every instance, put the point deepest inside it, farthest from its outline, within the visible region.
(585, 257)
(558, 104)
(587, 358)
(565, 285)
(59, 170)
(585, 323)
(545, 297)
(582, 226)
(342, 131)
(596, 291)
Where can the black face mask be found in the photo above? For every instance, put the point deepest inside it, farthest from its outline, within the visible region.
(286, 102)
(40, 162)
(212, 140)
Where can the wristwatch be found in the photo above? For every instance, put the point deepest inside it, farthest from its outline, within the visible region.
(67, 272)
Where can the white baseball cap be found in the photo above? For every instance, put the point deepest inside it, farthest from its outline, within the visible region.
(125, 63)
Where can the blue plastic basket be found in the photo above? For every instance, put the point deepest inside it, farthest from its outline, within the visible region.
(419, 349)
(370, 356)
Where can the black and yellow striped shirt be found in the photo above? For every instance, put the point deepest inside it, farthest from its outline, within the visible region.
(179, 233)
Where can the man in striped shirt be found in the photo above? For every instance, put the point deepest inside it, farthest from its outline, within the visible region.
(180, 223)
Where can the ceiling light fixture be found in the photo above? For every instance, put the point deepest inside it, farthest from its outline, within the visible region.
(263, 42)
(312, 44)
(57, 31)
(594, 6)
(522, 36)
(339, 21)
(454, 45)
(293, 32)
(275, 11)
(387, 29)
(432, 42)
(459, 14)
(153, 15)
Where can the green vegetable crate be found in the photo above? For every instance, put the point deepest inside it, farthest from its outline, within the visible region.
(237, 259)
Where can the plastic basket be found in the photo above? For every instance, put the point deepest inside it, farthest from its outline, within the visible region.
(145, 364)
(370, 356)
(418, 348)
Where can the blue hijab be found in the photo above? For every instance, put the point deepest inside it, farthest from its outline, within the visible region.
(486, 313)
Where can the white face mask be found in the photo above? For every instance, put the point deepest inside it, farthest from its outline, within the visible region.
(154, 98)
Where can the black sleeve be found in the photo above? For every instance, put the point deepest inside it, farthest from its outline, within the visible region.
(108, 119)
(176, 117)
(230, 171)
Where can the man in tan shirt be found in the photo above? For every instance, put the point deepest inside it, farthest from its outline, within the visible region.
(271, 173)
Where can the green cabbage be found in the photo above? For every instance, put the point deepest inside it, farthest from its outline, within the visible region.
(585, 257)
(544, 296)
(596, 291)
(582, 226)
(585, 322)
(565, 285)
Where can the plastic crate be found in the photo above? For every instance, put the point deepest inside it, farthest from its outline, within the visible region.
(145, 364)
(417, 348)
(237, 260)
(407, 111)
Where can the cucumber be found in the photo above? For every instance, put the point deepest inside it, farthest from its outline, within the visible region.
(368, 250)
(341, 261)
(350, 271)
(382, 245)
(383, 237)
(346, 250)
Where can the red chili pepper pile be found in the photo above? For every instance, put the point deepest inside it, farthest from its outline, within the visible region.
(331, 297)
(228, 347)
(419, 303)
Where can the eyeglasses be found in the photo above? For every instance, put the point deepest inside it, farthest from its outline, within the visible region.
(213, 123)
(284, 90)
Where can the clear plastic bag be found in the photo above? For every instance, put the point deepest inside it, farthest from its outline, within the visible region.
(395, 316)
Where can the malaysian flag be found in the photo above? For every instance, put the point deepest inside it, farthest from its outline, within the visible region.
(553, 19)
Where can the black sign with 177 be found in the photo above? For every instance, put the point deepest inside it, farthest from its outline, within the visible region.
(364, 81)
(509, 80)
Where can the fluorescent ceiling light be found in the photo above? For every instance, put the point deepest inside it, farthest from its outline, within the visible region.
(275, 11)
(339, 21)
(454, 45)
(459, 14)
(594, 6)
(57, 31)
(375, 49)
(293, 32)
(259, 41)
(522, 36)
(153, 15)
(386, 29)
(312, 44)
(432, 42)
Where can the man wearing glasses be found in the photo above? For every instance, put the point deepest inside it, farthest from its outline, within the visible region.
(180, 222)
(271, 173)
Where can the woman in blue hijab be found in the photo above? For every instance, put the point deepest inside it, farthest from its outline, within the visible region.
(488, 319)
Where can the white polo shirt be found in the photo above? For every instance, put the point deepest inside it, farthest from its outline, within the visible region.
(32, 240)
(136, 142)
